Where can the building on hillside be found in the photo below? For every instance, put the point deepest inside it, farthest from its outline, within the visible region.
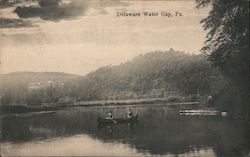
(44, 85)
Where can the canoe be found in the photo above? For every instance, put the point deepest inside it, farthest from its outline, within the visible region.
(118, 120)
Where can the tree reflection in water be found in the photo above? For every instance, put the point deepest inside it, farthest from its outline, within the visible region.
(160, 130)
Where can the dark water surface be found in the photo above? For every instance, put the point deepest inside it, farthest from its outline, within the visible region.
(160, 131)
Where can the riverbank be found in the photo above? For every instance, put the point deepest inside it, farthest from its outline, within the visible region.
(112, 103)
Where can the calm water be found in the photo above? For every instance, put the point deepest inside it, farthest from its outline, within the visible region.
(160, 131)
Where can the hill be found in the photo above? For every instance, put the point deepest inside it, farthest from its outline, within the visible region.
(14, 87)
(170, 74)
(153, 75)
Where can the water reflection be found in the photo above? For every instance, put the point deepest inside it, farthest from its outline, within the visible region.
(111, 123)
(160, 131)
(77, 145)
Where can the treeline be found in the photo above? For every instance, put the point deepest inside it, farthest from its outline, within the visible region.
(227, 45)
(170, 74)
(14, 87)
(156, 74)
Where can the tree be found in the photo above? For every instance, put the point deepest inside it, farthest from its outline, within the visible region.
(227, 43)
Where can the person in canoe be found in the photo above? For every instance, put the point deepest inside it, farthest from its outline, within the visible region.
(129, 114)
(109, 116)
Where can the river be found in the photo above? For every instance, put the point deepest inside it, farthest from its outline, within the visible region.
(159, 131)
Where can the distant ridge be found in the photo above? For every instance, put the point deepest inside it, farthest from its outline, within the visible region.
(171, 74)
(16, 83)
(31, 72)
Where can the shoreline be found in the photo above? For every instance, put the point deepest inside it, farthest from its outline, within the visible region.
(9, 109)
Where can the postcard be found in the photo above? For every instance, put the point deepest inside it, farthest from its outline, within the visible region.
(124, 78)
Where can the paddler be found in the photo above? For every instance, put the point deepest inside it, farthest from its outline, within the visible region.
(109, 116)
(129, 114)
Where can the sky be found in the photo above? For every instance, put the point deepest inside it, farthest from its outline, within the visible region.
(78, 37)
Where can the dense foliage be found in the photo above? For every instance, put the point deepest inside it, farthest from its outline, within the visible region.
(227, 46)
(172, 73)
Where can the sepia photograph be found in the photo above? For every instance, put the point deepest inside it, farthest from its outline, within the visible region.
(126, 78)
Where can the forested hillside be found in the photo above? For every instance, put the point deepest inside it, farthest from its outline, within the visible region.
(170, 74)
(14, 86)
(155, 74)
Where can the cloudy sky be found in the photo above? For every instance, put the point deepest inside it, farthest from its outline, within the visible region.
(80, 36)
